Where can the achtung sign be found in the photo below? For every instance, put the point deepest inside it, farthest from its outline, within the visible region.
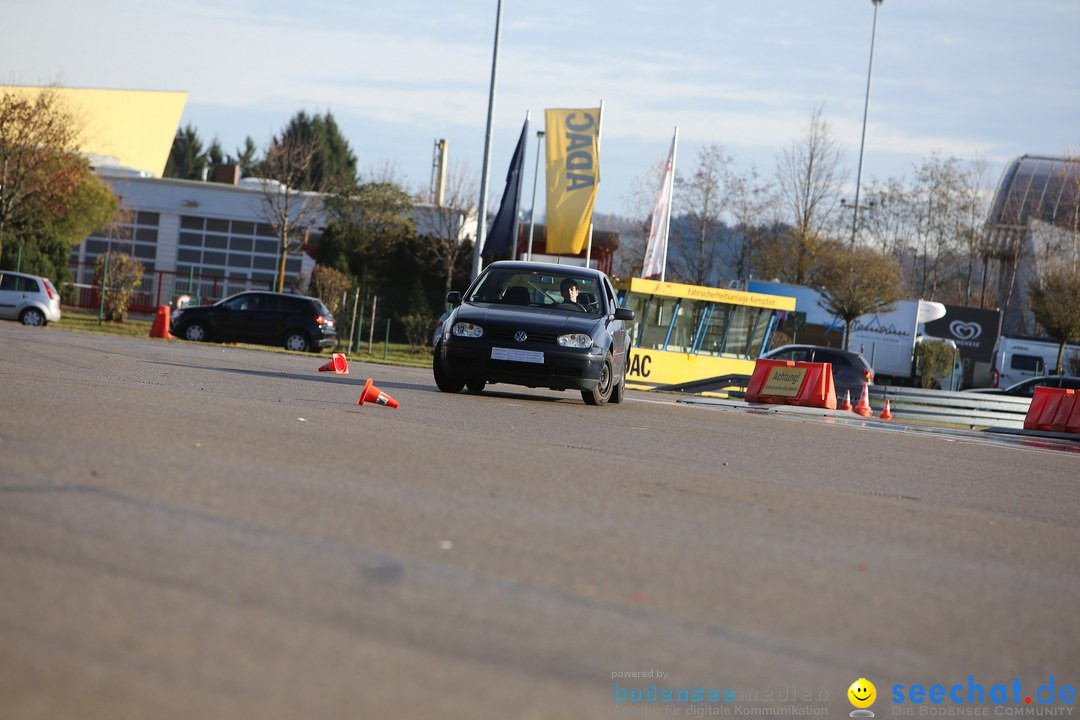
(784, 381)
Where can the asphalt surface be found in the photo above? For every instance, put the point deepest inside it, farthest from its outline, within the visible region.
(199, 531)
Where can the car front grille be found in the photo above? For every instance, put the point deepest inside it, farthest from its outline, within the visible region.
(504, 335)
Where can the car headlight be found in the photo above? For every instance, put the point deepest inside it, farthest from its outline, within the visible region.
(575, 340)
(464, 329)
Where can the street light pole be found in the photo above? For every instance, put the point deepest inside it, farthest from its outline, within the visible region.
(532, 212)
(866, 108)
(481, 229)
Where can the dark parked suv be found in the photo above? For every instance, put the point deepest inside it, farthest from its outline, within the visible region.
(262, 318)
(849, 369)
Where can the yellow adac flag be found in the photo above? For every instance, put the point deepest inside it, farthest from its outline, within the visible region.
(573, 174)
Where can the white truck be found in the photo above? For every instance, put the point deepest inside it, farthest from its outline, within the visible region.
(1017, 359)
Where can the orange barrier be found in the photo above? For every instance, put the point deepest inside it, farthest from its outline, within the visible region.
(375, 395)
(160, 328)
(1054, 410)
(786, 382)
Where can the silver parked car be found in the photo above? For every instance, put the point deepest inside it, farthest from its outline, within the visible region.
(30, 299)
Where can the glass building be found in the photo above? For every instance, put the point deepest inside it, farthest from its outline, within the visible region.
(1034, 222)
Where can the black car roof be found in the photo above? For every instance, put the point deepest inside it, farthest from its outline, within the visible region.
(815, 347)
(547, 267)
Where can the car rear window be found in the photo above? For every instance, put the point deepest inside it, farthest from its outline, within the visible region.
(823, 356)
(18, 283)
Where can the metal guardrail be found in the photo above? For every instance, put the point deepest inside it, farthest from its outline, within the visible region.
(954, 408)
(974, 410)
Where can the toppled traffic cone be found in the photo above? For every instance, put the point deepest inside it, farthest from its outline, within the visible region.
(846, 405)
(863, 407)
(160, 328)
(375, 395)
(338, 364)
(886, 414)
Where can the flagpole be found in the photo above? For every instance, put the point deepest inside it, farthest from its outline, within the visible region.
(517, 206)
(532, 212)
(481, 230)
(599, 132)
(671, 199)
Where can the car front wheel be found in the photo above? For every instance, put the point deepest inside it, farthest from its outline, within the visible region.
(32, 317)
(475, 385)
(447, 383)
(195, 332)
(602, 392)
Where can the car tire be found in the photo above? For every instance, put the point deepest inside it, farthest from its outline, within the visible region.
(602, 392)
(196, 332)
(619, 391)
(298, 342)
(475, 385)
(447, 383)
(32, 317)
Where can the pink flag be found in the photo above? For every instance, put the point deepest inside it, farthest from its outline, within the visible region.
(656, 251)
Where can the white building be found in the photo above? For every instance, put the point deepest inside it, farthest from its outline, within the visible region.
(207, 239)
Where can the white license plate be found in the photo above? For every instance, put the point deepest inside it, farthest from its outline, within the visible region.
(528, 356)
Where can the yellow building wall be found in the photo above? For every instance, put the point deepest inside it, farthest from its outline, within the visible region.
(136, 127)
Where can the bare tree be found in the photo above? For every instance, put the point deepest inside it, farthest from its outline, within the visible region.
(1053, 301)
(449, 222)
(703, 198)
(39, 168)
(752, 202)
(809, 177)
(288, 210)
(975, 202)
(856, 281)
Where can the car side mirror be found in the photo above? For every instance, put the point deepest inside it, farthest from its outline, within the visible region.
(624, 314)
(453, 297)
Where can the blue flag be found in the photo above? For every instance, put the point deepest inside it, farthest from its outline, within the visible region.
(502, 235)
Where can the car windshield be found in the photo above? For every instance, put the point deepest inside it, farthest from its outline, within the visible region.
(537, 288)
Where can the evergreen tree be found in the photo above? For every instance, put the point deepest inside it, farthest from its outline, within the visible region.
(333, 166)
(216, 154)
(186, 158)
(247, 158)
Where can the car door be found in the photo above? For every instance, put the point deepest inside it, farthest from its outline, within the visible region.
(620, 335)
(232, 318)
(269, 324)
(9, 296)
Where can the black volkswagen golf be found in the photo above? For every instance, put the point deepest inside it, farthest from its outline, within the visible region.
(294, 322)
(537, 325)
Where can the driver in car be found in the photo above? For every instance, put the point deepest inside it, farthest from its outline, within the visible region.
(569, 290)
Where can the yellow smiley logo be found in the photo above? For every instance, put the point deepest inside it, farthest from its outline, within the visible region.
(862, 693)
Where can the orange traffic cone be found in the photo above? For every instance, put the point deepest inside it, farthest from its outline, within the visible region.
(863, 408)
(846, 405)
(338, 363)
(160, 328)
(886, 414)
(375, 395)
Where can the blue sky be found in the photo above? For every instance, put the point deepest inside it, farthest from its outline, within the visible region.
(970, 78)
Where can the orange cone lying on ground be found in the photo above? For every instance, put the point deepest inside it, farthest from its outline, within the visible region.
(846, 405)
(886, 414)
(375, 395)
(338, 364)
(863, 408)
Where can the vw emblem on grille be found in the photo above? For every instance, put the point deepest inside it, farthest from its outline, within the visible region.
(520, 336)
